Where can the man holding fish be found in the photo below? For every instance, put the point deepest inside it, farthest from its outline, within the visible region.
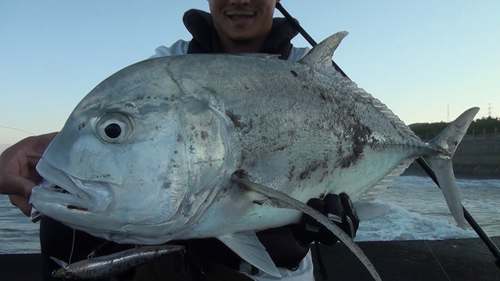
(233, 26)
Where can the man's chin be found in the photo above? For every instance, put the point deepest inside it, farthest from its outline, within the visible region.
(241, 40)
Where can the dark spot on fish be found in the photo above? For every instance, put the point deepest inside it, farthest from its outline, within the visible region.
(455, 142)
(204, 135)
(81, 126)
(250, 124)
(71, 207)
(179, 138)
(281, 148)
(258, 202)
(294, 73)
(309, 170)
(191, 149)
(322, 96)
(176, 152)
(238, 123)
(241, 173)
(360, 136)
(235, 118)
(290, 173)
(192, 127)
(243, 156)
(323, 176)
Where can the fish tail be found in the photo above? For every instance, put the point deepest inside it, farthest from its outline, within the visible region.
(446, 144)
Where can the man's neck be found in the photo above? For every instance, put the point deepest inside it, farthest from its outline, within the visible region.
(231, 46)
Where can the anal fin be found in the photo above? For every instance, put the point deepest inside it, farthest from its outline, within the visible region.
(248, 247)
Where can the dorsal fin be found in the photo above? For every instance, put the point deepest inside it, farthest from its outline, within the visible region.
(320, 57)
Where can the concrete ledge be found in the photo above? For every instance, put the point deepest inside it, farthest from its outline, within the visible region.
(453, 259)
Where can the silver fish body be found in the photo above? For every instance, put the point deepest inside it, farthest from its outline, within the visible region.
(147, 156)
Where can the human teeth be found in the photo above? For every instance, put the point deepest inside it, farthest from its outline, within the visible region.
(239, 17)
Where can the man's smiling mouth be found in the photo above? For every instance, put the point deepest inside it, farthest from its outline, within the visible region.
(239, 16)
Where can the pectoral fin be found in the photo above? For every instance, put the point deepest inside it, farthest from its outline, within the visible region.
(248, 247)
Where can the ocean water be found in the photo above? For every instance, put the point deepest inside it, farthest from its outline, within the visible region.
(414, 208)
(417, 210)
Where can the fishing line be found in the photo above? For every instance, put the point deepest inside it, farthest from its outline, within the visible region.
(24, 131)
(437, 260)
(29, 133)
(72, 246)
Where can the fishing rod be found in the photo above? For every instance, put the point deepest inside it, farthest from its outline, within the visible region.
(484, 237)
(304, 34)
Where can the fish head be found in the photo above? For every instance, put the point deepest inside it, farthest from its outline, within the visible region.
(136, 160)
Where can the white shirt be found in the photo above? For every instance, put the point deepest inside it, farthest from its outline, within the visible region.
(181, 47)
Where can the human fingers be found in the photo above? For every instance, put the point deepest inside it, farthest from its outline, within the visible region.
(334, 211)
(14, 184)
(19, 191)
(308, 228)
(21, 203)
(350, 215)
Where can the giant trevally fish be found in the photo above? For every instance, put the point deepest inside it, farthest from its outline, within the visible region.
(201, 146)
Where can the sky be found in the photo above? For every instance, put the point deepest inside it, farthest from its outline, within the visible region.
(426, 60)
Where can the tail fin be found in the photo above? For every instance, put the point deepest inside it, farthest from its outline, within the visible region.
(446, 143)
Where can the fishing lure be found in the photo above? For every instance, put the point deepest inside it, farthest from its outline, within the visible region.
(111, 265)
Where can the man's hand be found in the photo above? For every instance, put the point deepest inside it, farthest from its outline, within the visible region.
(339, 209)
(18, 175)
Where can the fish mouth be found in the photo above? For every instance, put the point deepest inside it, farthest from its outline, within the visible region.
(59, 188)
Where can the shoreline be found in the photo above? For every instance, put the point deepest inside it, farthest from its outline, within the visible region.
(461, 171)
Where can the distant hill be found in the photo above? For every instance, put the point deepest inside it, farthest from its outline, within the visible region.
(483, 125)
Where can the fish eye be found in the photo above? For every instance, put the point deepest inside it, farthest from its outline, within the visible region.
(114, 128)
